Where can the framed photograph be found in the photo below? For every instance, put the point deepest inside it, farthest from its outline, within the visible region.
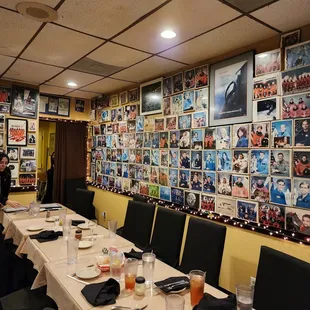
(301, 197)
(296, 81)
(159, 124)
(223, 137)
(31, 139)
(52, 105)
(5, 99)
(197, 137)
(155, 140)
(240, 186)
(200, 119)
(302, 132)
(64, 107)
(297, 220)
(167, 106)
(240, 161)
(202, 99)
(297, 55)
(184, 178)
(224, 160)
(185, 159)
(241, 136)
(226, 206)
(192, 200)
(154, 174)
(260, 134)
(173, 177)
(266, 86)
(230, 90)
(271, 215)
(189, 79)
(260, 162)
(174, 139)
(133, 95)
(167, 86)
(149, 124)
(196, 181)
(13, 153)
(185, 121)
(290, 38)
(280, 191)
(154, 190)
(151, 96)
(16, 132)
(224, 184)
(116, 115)
(79, 105)
(144, 188)
(171, 123)
(280, 163)
(130, 112)
(32, 125)
(296, 106)
(196, 163)
(163, 143)
(163, 176)
(247, 210)
(123, 127)
(202, 76)
(209, 141)
(282, 133)
(209, 160)
(266, 109)
(114, 101)
(27, 153)
(177, 83)
(301, 160)
(14, 170)
(102, 101)
(207, 203)
(268, 62)
(140, 124)
(5, 108)
(177, 196)
(13, 183)
(2, 121)
(28, 165)
(177, 104)
(123, 97)
(173, 158)
(260, 188)
(25, 102)
(188, 101)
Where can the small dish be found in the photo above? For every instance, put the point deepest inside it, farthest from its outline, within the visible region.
(35, 227)
(83, 226)
(88, 273)
(51, 219)
(178, 291)
(85, 244)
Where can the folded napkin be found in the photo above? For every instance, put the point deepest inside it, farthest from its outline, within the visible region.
(47, 235)
(103, 293)
(77, 222)
(173, 284)
(208, 302)
(133, 254)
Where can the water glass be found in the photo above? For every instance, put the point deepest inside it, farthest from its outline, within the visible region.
(245, 294)
(34, 208)
(131, 270)
(197, 282)
(112, 228)
(62, 216)
(72, 250)
(93, 225)
(148, 263)
(66, 229)
(175, 302)
(116, 261)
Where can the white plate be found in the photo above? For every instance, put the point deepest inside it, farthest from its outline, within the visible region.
(88, 273)
(83, 226)
(85, 244)
(178, 291)
(51, 219)
(35, 227)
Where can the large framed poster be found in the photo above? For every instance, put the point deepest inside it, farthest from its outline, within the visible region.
(16, 132)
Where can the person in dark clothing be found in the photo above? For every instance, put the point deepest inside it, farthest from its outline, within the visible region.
(48, 197)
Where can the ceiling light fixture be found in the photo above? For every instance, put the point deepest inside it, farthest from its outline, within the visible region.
(168, 34)
(37, 11)
(72, 84)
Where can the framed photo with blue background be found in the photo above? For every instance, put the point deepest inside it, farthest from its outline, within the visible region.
(151, 96)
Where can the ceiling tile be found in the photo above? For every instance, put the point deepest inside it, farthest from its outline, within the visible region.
(79, 78)
(239, 33)
(117, 55)
(11, 4)
(5, 61)
(186, 18)
(31, 72)
(48, 89)
(148, 69)
(83, 94)
(15, 32)
(248, 6)
(59, 46)
(103, 18)
(294, 14)
(107, 85)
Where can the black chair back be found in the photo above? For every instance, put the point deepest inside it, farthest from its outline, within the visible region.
(138, 223)
(71, 186)
(83, 203)
(137, 197)
(281, 282)
(206, 240)
(167, 235)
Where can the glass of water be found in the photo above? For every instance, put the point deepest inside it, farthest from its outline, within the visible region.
(112, 228)
(72, 250)
(93, 225)
(66, 229)
(62, 216)
(245, 294)
(116, 262)
(148, 262)
(34, 208)
(175, 302)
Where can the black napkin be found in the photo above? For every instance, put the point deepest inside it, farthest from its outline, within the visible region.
(77, 222)
(208, 302)
(167, 285)
(47, 235)
(103, 293)
(133, 254)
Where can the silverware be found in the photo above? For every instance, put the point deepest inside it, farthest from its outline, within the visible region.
(121, 308)
(77, 280)
(170, 285)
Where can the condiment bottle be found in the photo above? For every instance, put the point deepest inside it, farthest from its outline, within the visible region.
(78, 234)
(48, 214)
(140, 286)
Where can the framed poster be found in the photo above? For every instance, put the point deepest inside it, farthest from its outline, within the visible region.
(268, 62)
(64, 107)
(123, 97)
(52, 105)
(25, 102)
(297, 55)
(290, 38)
(28, 165)
(133, 95)
(79, 105)
(231, 90)
(14, 170)
(27, 179)
(13, 153)
(151, 96)
(32, 125)
(114, 101)
(27, 153)
(5, 100)
(16, 132)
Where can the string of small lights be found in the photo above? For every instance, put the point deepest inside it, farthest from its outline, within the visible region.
(54, 119)
(28, 188)
(210, 215)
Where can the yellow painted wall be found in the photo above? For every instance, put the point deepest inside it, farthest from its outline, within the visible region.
(242, 247)
(23, 197)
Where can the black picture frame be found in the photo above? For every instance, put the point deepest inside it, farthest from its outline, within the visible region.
(14, 127)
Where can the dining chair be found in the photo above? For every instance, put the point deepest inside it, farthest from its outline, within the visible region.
(137, 197)
(282, 282)
(167, 235)
(204, 248)
(83, 203)
(138, 223)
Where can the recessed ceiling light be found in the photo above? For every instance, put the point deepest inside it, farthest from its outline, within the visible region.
(37, 11)
(72, 84)
(168, 34)
(262, 55)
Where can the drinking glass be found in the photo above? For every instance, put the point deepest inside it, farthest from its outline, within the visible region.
(148, 262)
(175, 302)
(93, 225)
(197, 282)
(131, 269)
(66, 229)
(245, 294)
(112, 228)
(116, 261)
(34, 208)
(72, 250)
(62, 216)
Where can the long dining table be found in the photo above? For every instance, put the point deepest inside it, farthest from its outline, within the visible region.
(50, 260)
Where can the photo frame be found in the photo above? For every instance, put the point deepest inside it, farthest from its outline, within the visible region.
(13, 153)
(266, 86)
(226, 206)
(297, 55)
(151, 95)
(32, 125)
(31, 139)
(27, 153)
(290, 38)
(189, 79)
(28, 165)
(229, 77)
(268, 62)
(5, 95)
(27, 179)
(266, 109)
(79, 105)
(202, 76)
(133, 95)
(123, 97)
(247, 210)
(64, 107)
(17, 130)
(167, 86)
(177, 83)
(295, 81)
(296, 106)
(14, 167)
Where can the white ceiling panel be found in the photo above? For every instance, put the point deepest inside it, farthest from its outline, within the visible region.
(117, 55)
(31, 72)
(78, 78)
(15, 32)
(103, 18)
(239, 33)
(107, 85)
(148, 69)
(48, 89)
(5, 61)
(285, 15)
(11, 4)
(186, 18)
(59, 46)
(83, 94)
